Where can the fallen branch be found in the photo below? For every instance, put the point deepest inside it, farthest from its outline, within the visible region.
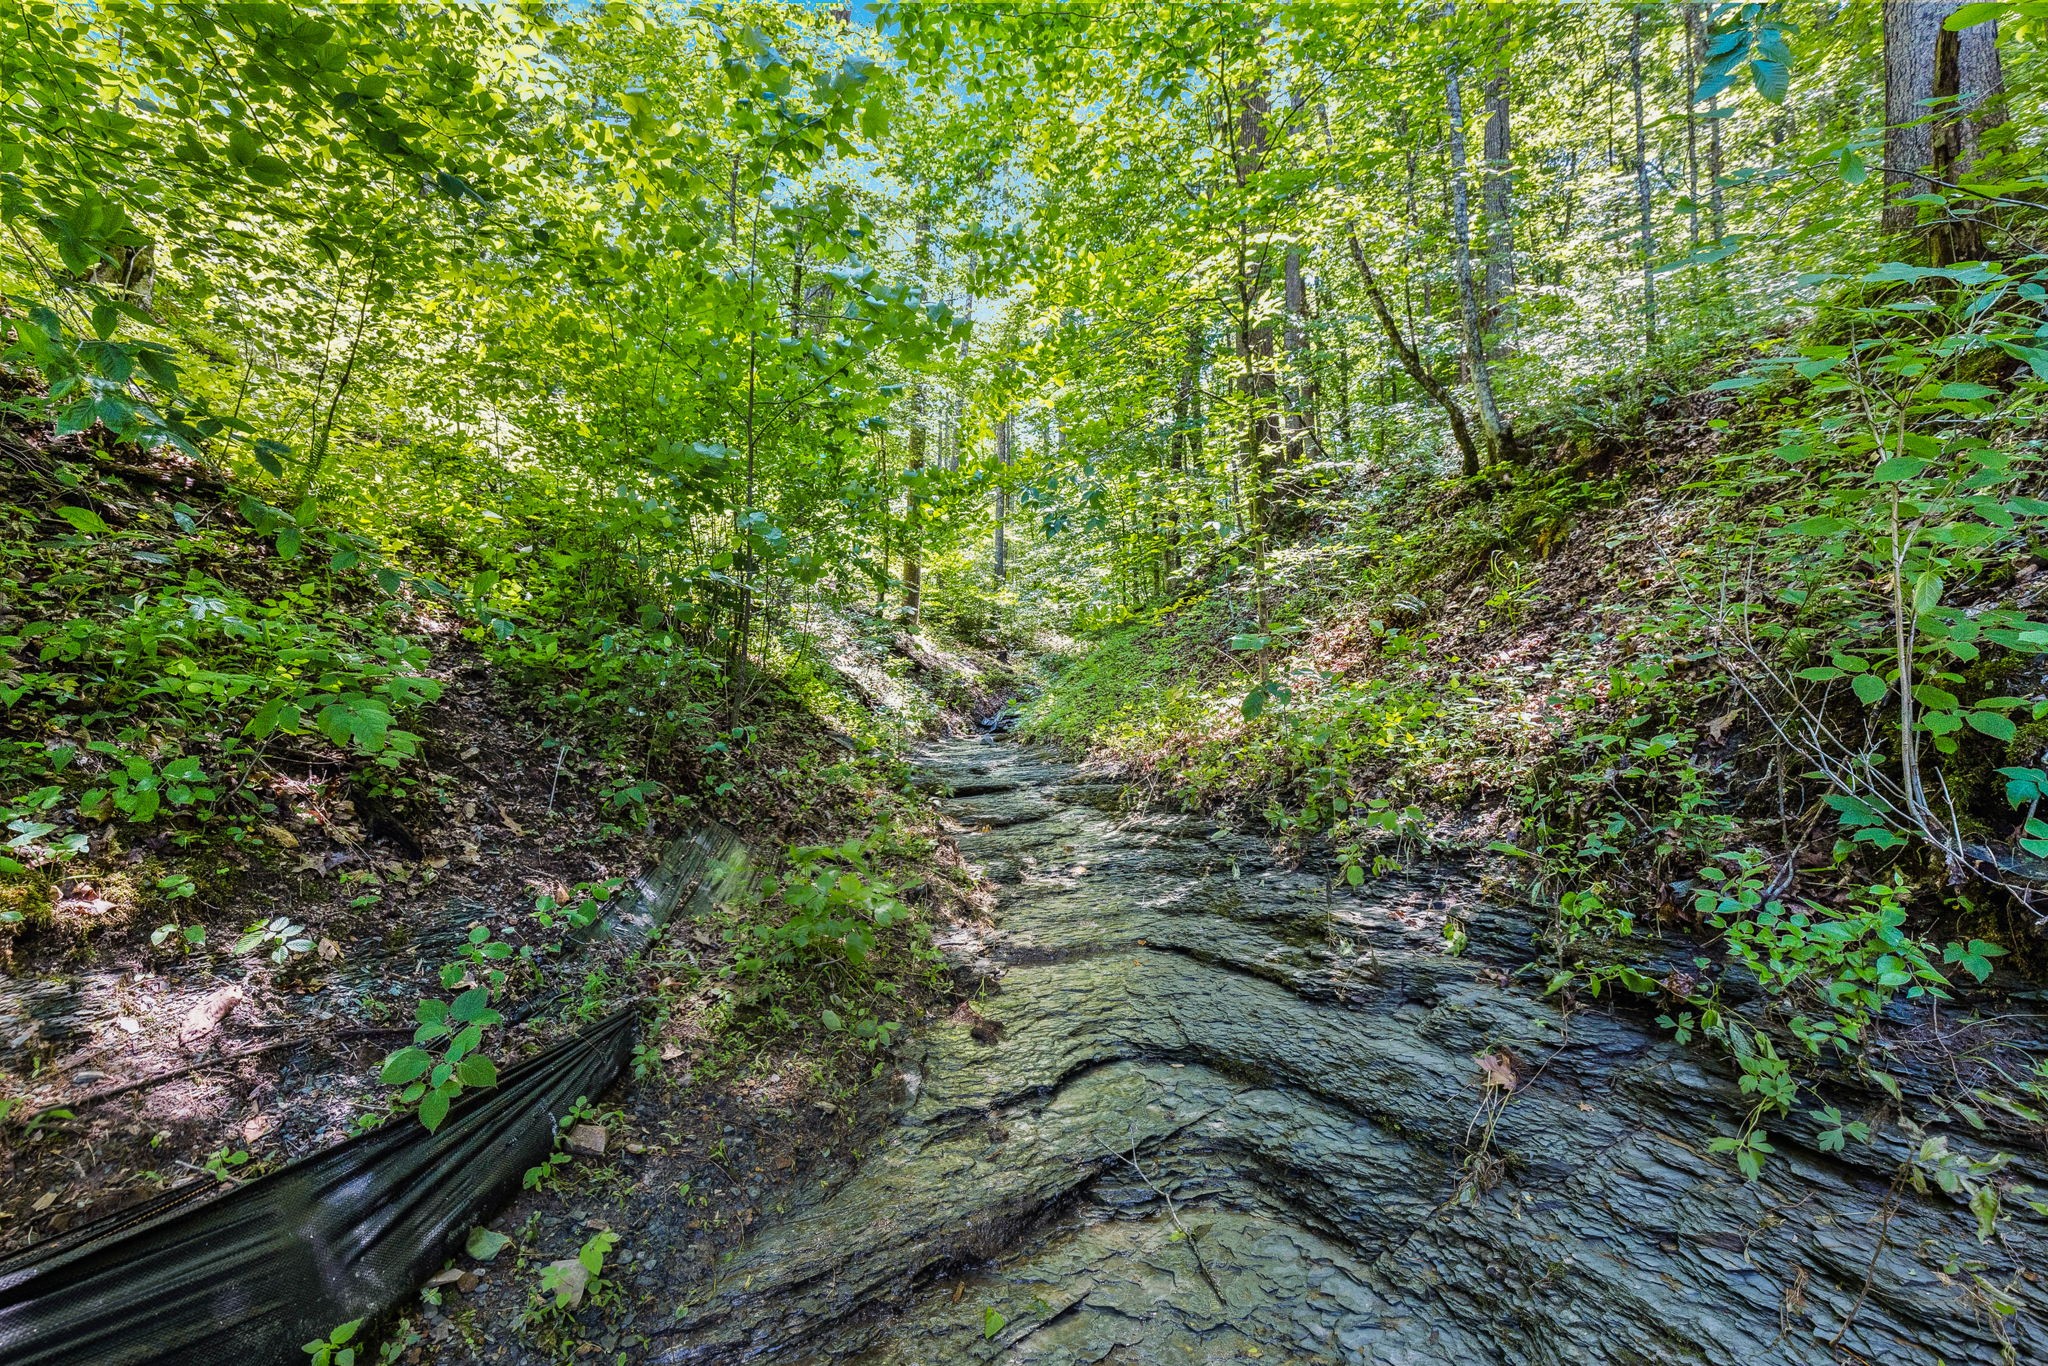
(158, 1078)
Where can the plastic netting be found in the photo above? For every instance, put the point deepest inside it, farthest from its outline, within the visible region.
(246, 1277)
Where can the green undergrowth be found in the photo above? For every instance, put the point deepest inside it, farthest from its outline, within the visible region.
(1756, 663)
(831, 941)
(172, 660)
(190, 670)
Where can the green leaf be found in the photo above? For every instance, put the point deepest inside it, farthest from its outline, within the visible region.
(1984, 1204)
(85, 520)
(477, 1070)
(357, 721)
(1937, 699)
(1773, 79)
(433, 1109)
(465, 1042)
(1975, 957)
(274, 715)
(407, 1064)
(1869, 688)
(1992, 724)
(485, 1244)
(991, 1324)
(1900, 467)
(470, 1005)
(2024, 785)
(830, 1019)
(1971, 15)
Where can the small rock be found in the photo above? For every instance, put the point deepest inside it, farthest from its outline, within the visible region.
(127, 1024)
(447, 1277)
(88, 1077)
(587, 1140)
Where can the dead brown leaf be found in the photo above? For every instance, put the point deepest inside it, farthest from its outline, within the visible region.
(1497, 1071)
(206, 1015)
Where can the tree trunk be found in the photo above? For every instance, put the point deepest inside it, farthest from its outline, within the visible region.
(913, 567)
(1695, 34)
(1255, 333)
(1002, 561)
(1953, 237)
(1913, 37)
(1411, 360)
(1648, 240)
(1499, 439)
(1344, 365)
(316, 456)
(1496, 206)
(1302, 396)
(1184, 450)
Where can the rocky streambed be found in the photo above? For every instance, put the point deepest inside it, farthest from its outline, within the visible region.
(1210, 1110)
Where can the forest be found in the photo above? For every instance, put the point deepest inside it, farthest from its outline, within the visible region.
(1030, 681)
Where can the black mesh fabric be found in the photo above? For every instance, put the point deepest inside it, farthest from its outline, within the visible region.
(246, 1277)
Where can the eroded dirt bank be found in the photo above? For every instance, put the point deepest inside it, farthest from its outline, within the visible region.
(1210, 1111)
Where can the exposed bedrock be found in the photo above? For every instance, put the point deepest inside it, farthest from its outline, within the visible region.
(1227, 1115)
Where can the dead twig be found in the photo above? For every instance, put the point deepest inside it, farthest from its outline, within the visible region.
(158, 1078)
(1171, 1213)
(1884, 1225)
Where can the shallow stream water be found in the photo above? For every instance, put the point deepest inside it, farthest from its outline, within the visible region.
(1212, 1111)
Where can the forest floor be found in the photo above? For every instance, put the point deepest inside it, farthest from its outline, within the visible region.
(132, 1060)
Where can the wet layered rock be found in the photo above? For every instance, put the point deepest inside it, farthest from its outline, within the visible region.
(1221, 1114)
